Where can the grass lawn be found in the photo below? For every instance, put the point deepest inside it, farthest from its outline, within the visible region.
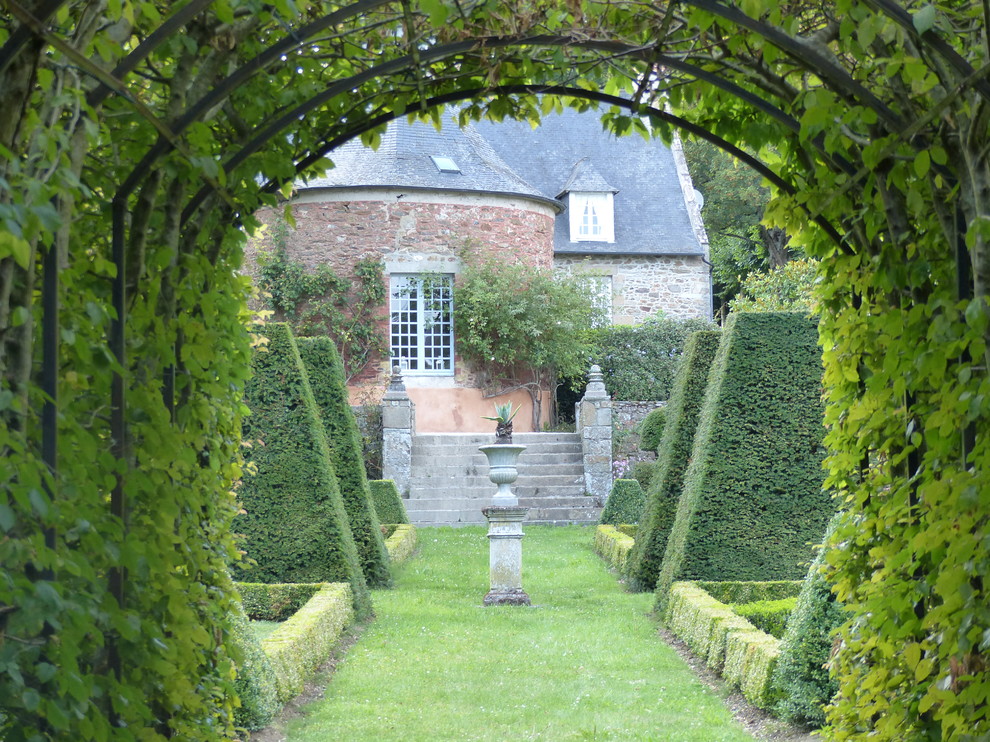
(264, 629)
(583, 663)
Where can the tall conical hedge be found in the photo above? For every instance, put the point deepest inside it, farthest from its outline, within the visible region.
(326, 378)
(624, 504)
(295, 524)
(753, 501)
(674, 451)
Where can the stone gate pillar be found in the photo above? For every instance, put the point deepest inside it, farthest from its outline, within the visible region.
(398, 427)
(594, 423)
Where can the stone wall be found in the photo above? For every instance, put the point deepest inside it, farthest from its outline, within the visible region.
(626, 417)
(642, 285)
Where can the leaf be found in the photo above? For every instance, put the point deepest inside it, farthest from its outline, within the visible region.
(922, 163)
(924, 19)
(16, 247)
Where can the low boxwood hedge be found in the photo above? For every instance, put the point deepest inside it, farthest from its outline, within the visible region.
(401, 543)
(769, 616)
(256, 685)
(729, 644)
(304, 642)
(267, 602)
(612, 545)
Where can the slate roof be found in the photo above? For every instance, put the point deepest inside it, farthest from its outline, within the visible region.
(403, 160)
(651, 217)
(569, 151)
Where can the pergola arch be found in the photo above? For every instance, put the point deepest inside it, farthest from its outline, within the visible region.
(859, 143)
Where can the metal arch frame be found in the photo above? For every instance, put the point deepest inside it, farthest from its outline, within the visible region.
(843, 84)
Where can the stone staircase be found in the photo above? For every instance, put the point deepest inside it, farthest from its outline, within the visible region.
(449, 482)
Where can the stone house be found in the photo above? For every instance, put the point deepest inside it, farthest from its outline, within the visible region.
(566, 195)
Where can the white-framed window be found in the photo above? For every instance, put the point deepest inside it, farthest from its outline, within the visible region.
(592, 217)
(421, 310)
(601, 296)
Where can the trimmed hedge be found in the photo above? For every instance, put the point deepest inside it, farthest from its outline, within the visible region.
(326, 378)
(295, 525)
(651, 430)
(769, 616)
(644, 473)
(745, 656)
(401, 543)
(274, 602)
(802, 678)
(388, 504)
(612, 545)
(753, 499)
(639, 361)
(681, 414)
(256, 685)
(752, 591)
(301, 644)
(624, 504)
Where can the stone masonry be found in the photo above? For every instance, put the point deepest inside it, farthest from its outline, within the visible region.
(594, 425)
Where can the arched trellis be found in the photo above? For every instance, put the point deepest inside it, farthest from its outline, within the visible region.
(850, 91)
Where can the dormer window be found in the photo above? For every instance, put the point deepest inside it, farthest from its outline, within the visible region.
(445, 164)
(591, 216)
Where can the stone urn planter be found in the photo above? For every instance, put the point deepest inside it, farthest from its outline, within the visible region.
(504, 517)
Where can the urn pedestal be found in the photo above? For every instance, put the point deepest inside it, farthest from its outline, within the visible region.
(505, 533)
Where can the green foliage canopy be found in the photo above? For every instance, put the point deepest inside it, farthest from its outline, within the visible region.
(870, 116)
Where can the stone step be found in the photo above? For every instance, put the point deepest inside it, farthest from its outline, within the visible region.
(483, 439)
(431, 456)
(536, 516)
(473, 469)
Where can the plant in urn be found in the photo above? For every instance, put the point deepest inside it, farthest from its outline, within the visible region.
(502, 456)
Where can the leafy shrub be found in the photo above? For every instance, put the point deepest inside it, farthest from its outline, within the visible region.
(624, 504)
(651, 430)
(681, 414)
(753, 497)
(295, 525)
(274, 602)
(802, 678)
(769, 616)
(326, 377)
(784, 289)
(643, 472)
(388, 503)
(612, 545)
(639, 361)
(729, 591)
(256, 684)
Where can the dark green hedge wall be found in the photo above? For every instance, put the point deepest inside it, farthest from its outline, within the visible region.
(801, 679)
(388, 503)
(639, 361)
(651, 430)
(294, 524)
(753, 500)
(326, 378)
(624, 504)
(681, 415)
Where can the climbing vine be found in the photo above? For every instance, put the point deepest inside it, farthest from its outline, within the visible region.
(869, 118)
(322, 303)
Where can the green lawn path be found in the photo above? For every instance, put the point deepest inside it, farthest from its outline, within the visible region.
(584, 663)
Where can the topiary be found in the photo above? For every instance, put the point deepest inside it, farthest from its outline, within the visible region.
(326, 375)
(651, 430)
(624, 504)
(388, 504)
(801, 678)
(753, 497)
(681, 414)
(294, 523)
(255, 684)
(643, 472)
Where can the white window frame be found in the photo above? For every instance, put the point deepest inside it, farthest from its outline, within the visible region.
(601, 296)
(592, 216)
(421, 339)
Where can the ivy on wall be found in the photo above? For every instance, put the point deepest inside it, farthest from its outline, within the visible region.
(349, 310)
